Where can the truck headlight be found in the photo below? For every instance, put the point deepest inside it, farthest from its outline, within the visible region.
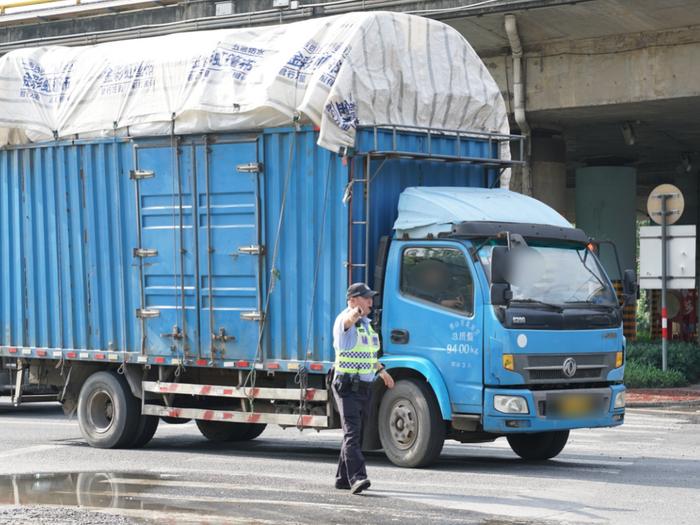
(620, 400)
(510, 404)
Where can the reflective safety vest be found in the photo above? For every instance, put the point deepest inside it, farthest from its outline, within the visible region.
(362, 358)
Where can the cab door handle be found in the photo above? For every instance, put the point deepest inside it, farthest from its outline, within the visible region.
(399, 336)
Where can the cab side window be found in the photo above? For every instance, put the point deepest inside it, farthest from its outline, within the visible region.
(439, 276)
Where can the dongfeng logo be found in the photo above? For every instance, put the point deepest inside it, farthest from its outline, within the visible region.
(569, 367)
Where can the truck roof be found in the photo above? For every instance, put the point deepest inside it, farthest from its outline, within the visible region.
(434, 210)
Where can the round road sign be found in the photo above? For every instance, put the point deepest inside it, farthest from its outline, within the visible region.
(674, 203)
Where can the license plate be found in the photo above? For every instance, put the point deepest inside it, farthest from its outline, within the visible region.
(574, 405)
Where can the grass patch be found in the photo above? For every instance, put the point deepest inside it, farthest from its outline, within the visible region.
(682, 357)
(641, 375)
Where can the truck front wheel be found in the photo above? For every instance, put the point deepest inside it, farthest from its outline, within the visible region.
(108, 413)
(219, 431)
(411, 428)
(538, 446)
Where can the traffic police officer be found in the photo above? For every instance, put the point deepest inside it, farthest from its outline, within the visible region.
(356, 366)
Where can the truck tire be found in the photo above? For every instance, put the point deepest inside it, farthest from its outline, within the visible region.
(219, 431)
(411, 428)
(108, 413)
(145, 431)
(174, 420)
(538, 446)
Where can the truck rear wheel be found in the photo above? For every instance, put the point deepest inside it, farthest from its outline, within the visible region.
(539, 446)
(108, 413)
(174, 420)
(411, 428)
(218, 431)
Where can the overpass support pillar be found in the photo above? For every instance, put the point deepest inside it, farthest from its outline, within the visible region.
(548, 171)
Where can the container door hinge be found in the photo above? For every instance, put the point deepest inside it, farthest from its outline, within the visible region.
(145, 252)
(251, 167)
(147, 313)
(252, 316)
(141, 174)
(253, 249)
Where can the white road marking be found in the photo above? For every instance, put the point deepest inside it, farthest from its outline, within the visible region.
(49, 423)
(28, 450)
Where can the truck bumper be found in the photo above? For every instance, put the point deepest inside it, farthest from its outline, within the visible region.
(539, 420)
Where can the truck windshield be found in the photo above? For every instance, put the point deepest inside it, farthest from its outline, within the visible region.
(561, 276)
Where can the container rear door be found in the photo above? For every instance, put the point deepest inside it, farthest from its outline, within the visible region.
(230, 247)
(166, 254)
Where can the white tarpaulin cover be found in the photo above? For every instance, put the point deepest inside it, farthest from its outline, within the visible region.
(441, 207)
(337, 72)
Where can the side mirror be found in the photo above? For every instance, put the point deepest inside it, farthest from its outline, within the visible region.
(500, 257)
(629, 286)
(501, 294)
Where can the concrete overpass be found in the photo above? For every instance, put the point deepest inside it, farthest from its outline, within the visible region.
(610, 88)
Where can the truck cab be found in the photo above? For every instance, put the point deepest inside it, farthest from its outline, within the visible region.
(509, 317)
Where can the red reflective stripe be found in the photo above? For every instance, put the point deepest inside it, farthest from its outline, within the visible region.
(72, 355)
(159, 360)
(306, 420)
(273, 366)
(253, 418)
(208, 415)
(242, 364)
(202, 362)
(316, 366)
(310, 394)
(228, 391)
(664, 323)
(174, 412)
(99, 356)
(12, 350)
(206, 389)
(41, 353)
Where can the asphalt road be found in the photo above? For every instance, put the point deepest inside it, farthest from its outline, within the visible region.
(646, 472)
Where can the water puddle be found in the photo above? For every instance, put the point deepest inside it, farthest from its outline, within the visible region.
(134, 497)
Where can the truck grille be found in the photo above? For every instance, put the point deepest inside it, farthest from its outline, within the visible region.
(590, 373)
(549, 367)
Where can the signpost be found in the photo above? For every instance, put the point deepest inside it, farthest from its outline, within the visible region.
(665, 206)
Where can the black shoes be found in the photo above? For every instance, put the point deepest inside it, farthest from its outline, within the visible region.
(359, 486)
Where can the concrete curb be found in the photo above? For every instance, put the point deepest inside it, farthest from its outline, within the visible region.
(662, 404)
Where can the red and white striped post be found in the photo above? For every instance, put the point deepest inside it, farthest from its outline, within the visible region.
(664, 312)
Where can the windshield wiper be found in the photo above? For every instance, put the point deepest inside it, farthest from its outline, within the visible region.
(589, 303)
(552, 306)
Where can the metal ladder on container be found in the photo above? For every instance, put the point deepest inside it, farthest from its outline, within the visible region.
(363, 222)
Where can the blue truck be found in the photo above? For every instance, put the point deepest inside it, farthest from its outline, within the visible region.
(197, 277)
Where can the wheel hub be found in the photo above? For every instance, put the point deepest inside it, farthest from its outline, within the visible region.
(100, 411)
(403, 424)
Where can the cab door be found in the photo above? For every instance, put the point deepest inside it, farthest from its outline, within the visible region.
(431, 310)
